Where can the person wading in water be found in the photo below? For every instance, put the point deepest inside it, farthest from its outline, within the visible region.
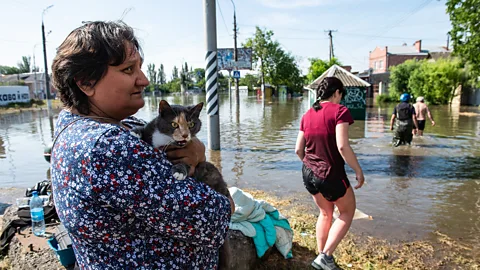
(406, 118)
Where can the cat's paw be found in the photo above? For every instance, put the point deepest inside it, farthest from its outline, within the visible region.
(138, 135)
(180, 171)
(179, 176)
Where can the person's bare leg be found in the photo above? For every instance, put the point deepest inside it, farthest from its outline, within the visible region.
(420, 133)
(324, 221)
(346, 206)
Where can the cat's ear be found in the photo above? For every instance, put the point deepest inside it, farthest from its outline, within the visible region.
(195, 111)
(164, 106)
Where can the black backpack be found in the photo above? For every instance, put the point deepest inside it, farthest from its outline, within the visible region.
(404, 111)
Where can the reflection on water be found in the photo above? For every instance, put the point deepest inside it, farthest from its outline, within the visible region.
(434, 184)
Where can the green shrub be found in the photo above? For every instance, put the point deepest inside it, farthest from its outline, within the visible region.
(384, 98)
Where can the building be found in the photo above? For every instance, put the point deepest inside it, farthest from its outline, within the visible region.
(356, 89)
(34, 81)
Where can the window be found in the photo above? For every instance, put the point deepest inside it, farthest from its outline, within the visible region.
(380, 64)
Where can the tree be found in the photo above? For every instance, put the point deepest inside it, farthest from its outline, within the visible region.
(437, 81)
(399, 77)
(319, 66)
(199, 76)
(250, 81)
(24, 65)
(6, 70)
(284, 69)
(186, 68)
(175, 73)
(261, 44)
(222, 81)
(161, 78)
(185, 80)
(465, 33)
(276, 66)
(152, 74)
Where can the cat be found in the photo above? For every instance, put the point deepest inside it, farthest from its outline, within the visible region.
(177, 125)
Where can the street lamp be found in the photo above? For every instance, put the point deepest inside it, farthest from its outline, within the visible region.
(47, 78)
(35, 72)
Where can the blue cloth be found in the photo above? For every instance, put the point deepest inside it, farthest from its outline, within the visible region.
(261, 221)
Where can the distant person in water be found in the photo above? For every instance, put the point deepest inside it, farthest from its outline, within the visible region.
(406, 120)
(421, 109)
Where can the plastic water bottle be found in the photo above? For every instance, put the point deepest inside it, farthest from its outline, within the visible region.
(36, 212)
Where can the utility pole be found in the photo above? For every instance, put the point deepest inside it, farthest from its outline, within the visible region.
(211, 73)
(332, 55)
(235, 54)
(448, 40)
(47, 78)
(35, 72)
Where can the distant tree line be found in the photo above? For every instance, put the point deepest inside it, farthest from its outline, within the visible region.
(23, 66)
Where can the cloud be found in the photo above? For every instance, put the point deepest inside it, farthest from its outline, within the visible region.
(277, 19)
(287, 4)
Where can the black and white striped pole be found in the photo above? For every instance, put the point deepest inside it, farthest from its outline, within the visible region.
(211, 74)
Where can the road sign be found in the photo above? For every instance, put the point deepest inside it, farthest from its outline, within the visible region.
(236, 74)
(226, 60)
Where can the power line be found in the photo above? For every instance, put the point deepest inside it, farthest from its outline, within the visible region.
(14, 41)
(349, 54)
(223, 19)
(413, 11)
(383, 37)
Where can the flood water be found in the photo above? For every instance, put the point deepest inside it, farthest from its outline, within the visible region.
(411, 191)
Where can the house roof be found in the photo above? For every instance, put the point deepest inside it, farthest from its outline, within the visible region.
(405, 50)
(347, 78)
(26, 77)
(437, 49)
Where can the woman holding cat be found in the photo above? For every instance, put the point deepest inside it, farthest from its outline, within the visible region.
(113, 192)
(323, 146)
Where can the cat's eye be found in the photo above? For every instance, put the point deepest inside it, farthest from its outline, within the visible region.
(191, 124)
(175, 125)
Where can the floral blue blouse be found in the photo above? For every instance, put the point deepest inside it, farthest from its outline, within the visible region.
(122, 207)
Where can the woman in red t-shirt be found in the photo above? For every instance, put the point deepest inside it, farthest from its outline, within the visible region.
(323, 146)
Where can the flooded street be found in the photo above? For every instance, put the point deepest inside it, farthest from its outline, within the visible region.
(411, 191)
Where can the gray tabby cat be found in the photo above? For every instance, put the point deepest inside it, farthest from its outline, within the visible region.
(177, 125)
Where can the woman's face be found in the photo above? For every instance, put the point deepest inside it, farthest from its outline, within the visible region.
(119, 93)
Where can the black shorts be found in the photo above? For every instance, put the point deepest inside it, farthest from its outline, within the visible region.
(332, 189)
(421, 124)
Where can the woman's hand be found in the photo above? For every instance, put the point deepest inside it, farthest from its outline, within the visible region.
(360, 179)
(192, 154)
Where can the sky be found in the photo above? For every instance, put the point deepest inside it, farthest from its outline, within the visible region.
(172, 32)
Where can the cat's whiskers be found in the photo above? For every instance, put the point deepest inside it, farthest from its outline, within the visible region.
(168, 144)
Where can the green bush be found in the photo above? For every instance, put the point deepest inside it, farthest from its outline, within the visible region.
(384, 98)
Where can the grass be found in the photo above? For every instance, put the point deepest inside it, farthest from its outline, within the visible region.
(363, 252)
(34, 104)
(357, 252)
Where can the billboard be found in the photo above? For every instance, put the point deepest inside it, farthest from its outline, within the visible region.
(226, 60)
(14, 94)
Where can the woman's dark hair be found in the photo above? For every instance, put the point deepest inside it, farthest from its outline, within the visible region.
(84, 57)
(326, 89)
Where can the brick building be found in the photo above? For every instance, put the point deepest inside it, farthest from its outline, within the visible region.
(382, 58)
